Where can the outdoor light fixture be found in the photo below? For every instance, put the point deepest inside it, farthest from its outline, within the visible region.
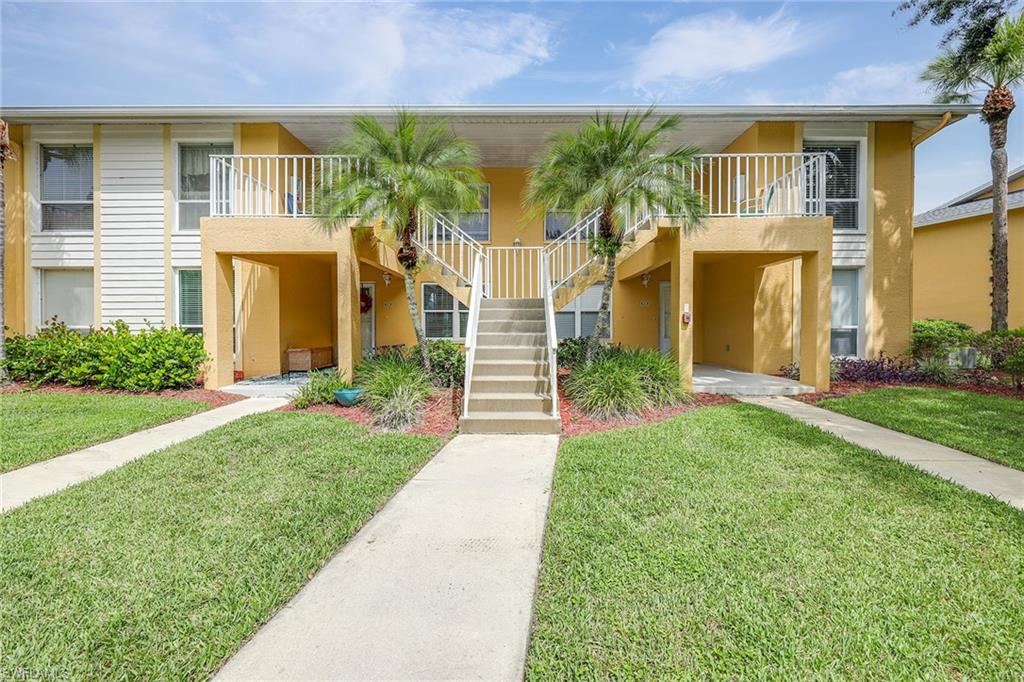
(387, 279)
(517, 242)
(645, 278)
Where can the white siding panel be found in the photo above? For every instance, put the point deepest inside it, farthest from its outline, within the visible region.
(185, 250)
(132, 224)
(849, 249)
(62, 250)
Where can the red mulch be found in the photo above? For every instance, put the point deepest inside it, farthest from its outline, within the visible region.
(841, 388)
(440, 417)
(211, 398)
(576, 423)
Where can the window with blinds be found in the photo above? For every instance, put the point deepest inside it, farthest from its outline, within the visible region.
(442, 312)
(579, 317)
(194, 182)
(842, 182)
(65, 187)
(67, 295)
(556, 223)
(190, 301)
(477, 224)
(845, 312)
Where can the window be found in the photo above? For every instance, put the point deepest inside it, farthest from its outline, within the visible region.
(65, 187)
(556, 223)
(842, 183)
(194, 182)
(66, 295)
(441, 310)
(478, 223)
(845, 312)
(579, 317)
(190, 301)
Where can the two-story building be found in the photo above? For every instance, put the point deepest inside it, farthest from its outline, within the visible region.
(202, 217)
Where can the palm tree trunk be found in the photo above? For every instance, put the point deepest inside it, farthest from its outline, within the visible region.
(409, 258)
(1000, 235)
(606, 232)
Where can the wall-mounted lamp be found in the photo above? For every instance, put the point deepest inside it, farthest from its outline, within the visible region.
(387, 279)
(517, 242)
(645, 278)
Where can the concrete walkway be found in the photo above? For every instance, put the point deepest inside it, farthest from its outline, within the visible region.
(438, 585)
(45, 478)
(972, 472)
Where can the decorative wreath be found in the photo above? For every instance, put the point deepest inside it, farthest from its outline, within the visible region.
(365, 302)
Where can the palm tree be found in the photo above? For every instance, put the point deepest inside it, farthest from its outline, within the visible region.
(999, 68)
(619, 166)
(413, 167)
(6, 152)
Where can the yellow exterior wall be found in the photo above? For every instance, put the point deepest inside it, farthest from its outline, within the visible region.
(14, 236)
(774, 315)
(952, 270)
(258, 292)
(890, 240)
(767, 137)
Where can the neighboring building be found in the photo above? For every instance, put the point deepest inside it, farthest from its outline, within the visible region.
(952, 261)
(117, 213)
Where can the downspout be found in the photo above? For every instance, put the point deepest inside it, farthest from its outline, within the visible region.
(946, 118)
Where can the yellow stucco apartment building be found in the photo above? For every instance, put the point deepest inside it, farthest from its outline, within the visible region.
(952, 267)
(202, 217)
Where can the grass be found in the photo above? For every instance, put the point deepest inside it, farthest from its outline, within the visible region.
(162, 568)
(988, 426)
(38, 425)
(734, 542)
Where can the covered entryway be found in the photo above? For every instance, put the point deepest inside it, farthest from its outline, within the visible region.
(727, 381)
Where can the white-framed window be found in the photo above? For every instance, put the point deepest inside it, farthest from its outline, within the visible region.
(846, 314)
(188, 299)
(194, 182)
(579, 316)
(65, 187)
(444, 316)
(477, 224)
(66, 294)
(845, 181)
(556, 223)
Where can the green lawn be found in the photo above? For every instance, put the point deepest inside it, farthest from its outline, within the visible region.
(162, 568)
(38, 425)
(984, 425)
(736, 543)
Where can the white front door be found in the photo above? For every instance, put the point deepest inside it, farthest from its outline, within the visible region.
(665, 317)
(367, 326)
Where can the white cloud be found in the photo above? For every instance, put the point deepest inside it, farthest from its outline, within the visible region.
(707, 47)
(267, 52)
(895, 83)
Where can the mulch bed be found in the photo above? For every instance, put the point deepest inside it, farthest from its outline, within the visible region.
(842, 388)
(211, 398)
(576, 423)
(440, 417)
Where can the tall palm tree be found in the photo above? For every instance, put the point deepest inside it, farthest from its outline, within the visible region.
(415, 166)
(999, 69)
(6, 152)
(623, 167)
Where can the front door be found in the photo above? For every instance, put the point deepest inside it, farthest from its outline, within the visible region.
(665, 317)
(367, 327)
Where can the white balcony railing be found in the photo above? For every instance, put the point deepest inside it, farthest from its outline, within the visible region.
(269, 186)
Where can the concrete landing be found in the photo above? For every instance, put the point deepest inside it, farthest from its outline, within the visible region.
(438, 585)
(45, 478)
(972, 472)
(726, 381)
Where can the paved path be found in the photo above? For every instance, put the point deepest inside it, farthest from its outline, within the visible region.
(438, 585)
(969, 471)
(45, 478)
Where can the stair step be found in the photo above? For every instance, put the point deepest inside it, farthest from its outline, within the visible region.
(510, 422)
(491, 340)
(511, 353)
(488, 314)
(530, 385)
(512, 326)
(506, 367)
(507, 402)
(512, 303)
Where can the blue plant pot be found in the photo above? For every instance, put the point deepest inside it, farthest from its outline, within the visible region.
(348, 396)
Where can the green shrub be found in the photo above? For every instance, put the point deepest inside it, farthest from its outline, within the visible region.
(1013, 364)
(395, 388)
(320, 388)
(447, 361)
(929, 338)
(111, 357)
(936, 370)
(659, 374)
(572, 352)
(999, 345)
(607, 389)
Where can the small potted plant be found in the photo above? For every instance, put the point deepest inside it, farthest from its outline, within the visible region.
(348, 396)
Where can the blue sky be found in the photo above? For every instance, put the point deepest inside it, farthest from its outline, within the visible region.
(530, 53)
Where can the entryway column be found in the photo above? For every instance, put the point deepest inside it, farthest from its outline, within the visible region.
(349, 317)
(217, 318)
(815, 320)
(682, 299)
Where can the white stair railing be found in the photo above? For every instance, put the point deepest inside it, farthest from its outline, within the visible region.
(552, 340)
(476, 297)
(514, 271)
(449, 245)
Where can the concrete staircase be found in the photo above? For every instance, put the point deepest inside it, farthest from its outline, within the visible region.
(510, 391)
